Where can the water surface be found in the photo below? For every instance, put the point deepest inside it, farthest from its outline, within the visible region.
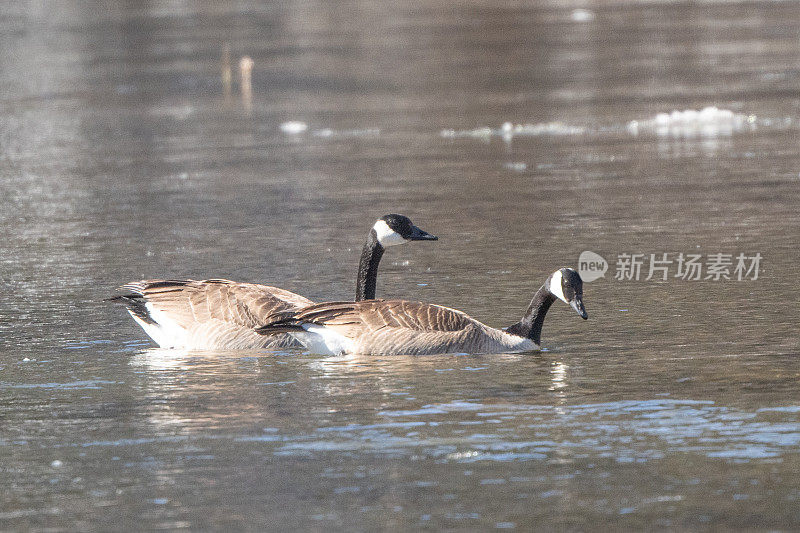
(126, 154)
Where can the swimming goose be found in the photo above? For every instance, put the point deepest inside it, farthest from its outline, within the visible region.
(393, 327)
(219, 314)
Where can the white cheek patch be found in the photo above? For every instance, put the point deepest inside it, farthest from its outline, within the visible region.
(555, 286)
(386, 235)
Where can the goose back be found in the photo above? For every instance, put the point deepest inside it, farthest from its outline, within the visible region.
(208, 314)
(391, 327)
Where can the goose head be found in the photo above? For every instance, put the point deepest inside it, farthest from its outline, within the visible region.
(392, 229)
(566, 285)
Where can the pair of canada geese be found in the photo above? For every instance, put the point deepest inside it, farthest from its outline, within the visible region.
(218, 314)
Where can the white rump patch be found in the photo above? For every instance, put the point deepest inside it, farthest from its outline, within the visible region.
(386, 235)
(166, 332)
(323, 341)
(555, 286)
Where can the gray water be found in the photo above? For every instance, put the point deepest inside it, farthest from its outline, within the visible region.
(130, 149)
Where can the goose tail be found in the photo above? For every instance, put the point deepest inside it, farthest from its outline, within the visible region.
(136, 305)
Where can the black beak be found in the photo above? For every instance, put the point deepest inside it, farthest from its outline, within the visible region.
(421, 235)
(577, 305)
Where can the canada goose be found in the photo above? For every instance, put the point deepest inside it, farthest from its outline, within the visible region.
(218, 314)
(393, 327)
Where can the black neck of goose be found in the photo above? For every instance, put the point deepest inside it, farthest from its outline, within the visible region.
(531, 324)
(368, 268)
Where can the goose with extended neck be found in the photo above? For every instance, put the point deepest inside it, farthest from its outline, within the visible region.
(219, 314)
(392, 327)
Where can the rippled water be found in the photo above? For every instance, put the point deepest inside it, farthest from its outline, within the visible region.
(522, 136)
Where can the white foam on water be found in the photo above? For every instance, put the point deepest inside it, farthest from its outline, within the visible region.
(293, 127)
(708, 122)
(582, 15)
(509, 130)
(361, 132)
(516, 166)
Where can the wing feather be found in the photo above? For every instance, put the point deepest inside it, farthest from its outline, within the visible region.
(356, 318)
(215, 313)
(244, 304)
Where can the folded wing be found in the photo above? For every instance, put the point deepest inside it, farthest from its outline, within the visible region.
(211, 314)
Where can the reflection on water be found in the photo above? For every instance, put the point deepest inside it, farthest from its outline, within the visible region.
(247, 141)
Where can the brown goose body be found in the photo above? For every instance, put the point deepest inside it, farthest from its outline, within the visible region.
(208, 314)
(403, 327)
(219, 314)
(392, 327)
